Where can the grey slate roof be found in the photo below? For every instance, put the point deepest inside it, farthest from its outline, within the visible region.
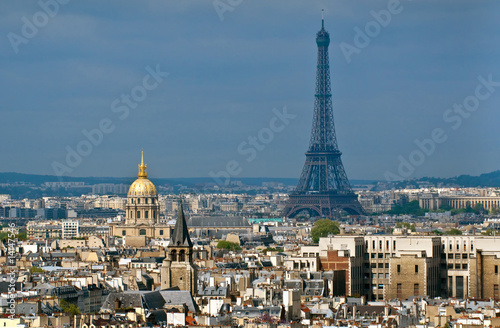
(217, 221)
(149, 299)
(180, 236)
(26, 308)
(180, 297)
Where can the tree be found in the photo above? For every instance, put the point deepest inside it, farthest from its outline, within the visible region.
(494, 210)
(22, 235)
(36, 269)
(223, 244)
(406, 225)
(69, 308)
(323, 228)
(454, 232)
(411, 208)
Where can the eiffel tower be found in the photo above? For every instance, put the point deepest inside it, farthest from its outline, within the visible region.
(323, 188)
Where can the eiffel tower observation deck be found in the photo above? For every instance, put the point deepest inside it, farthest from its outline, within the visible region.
(323, 188)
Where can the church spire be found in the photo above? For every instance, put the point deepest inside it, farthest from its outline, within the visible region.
(142, 168)
(180, 236)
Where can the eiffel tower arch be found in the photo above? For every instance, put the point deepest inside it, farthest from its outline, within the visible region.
(323, 188)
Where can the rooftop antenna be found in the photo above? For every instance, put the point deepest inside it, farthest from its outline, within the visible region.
(322, 18)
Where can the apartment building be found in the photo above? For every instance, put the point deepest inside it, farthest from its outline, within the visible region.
(397, 267)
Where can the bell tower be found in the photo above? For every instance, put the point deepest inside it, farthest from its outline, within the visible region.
(178, 269)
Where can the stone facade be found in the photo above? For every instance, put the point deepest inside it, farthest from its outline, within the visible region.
(142, 215)
(384, 267)
(178, 269)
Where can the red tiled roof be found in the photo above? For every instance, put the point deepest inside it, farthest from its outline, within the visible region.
(191, 321)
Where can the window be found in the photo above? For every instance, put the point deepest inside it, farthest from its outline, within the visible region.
(387, 244)
(380, 255)
(495, 291)
(138, 214)
(161, 232)
(416, 268)
(373, 255)
(450, 265)
(399, 268)
(464, 266)
(457, 266)
(381, 276)
(464, 256)
(142, 232)
(138, 200)
(457, 256)
(496, 269)
(381, 265)
(399, 290)
(459, 286)
(387, 265)
(373, 265)
(394, 245)
(124, 232)
(146, 201)
(416, 289)
(154, 214)
(380, 244)
(146, 214)
(450, 256)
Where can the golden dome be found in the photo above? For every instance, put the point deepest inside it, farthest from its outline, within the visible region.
(142, 186)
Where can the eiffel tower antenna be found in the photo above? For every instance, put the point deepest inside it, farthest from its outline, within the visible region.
(323, 188)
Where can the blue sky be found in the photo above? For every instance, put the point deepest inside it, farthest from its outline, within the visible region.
(225, 77)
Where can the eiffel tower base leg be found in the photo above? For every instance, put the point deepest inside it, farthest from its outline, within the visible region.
(322, 205)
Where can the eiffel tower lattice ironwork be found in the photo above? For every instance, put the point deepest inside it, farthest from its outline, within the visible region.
(323, 188)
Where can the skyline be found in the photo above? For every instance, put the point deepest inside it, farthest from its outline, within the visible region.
(206, 79)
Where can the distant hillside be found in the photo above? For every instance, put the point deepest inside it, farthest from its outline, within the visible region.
(12, 177)
(491, 179)
(484, 180)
